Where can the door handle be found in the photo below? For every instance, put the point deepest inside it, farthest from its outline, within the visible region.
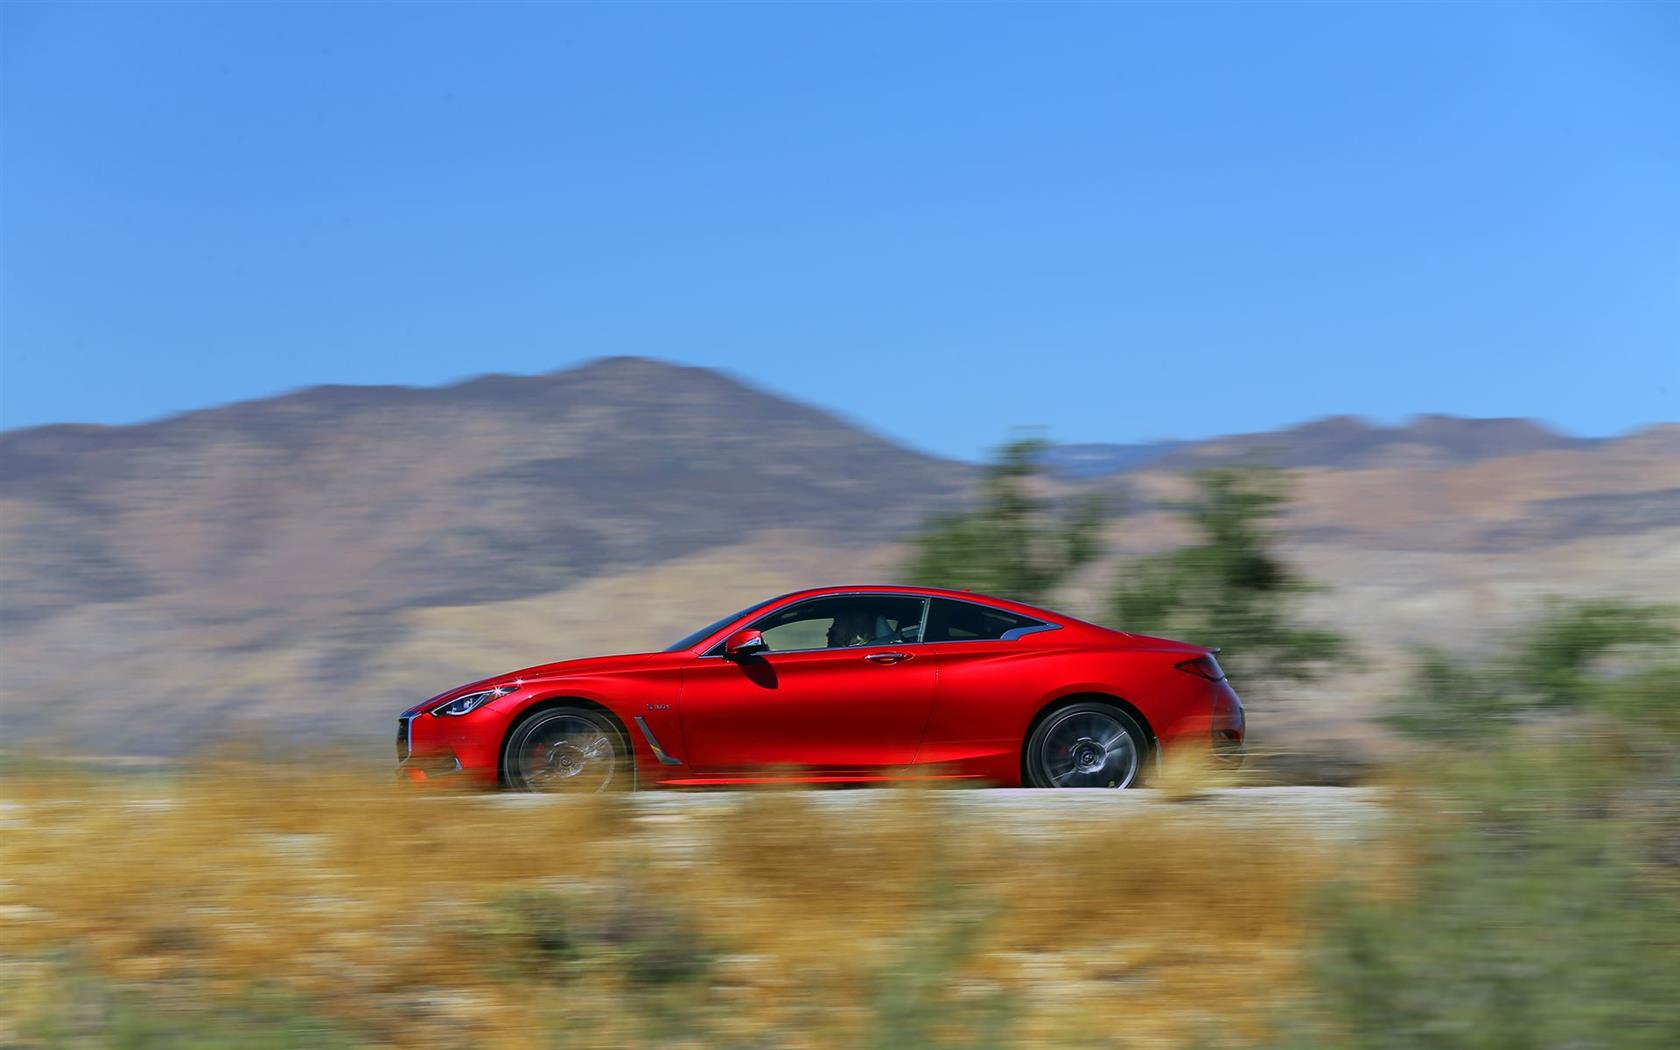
(887, 658)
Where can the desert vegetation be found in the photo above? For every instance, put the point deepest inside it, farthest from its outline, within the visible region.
(320, 910)
(1522, 889)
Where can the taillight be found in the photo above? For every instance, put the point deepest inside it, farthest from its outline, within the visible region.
(1203, 667)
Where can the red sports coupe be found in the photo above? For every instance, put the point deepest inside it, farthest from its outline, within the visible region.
(839, 685)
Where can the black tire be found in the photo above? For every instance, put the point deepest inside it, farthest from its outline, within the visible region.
(1086, 745)
(567, 750)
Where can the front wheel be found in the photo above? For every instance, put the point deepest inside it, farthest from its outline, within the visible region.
(567, 750)
(1087, 745)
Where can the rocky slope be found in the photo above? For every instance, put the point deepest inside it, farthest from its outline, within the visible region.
(306, 565)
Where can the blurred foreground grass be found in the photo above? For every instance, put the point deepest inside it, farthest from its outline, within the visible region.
(305, 909)
(1525, 898)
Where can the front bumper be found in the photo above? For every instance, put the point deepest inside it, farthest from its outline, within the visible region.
(436, 750)
(424, 765)
(421, 768)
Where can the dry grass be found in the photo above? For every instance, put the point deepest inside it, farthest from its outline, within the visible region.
(426, 920)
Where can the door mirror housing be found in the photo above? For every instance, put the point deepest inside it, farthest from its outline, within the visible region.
(745, 643)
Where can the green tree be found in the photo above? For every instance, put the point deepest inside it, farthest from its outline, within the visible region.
(1015, 543)
(1566, 662)
(1228, 588)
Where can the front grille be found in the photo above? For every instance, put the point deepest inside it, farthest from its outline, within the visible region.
(403, 737)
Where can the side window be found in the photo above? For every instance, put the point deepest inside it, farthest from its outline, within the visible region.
(953, 621)
(841, 621)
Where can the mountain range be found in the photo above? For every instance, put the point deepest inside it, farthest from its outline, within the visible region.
(301, 567)
(1338, 441)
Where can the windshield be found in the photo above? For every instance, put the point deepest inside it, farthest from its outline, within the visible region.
(699, 636)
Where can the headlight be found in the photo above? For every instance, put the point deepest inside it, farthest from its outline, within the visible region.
(472, 701)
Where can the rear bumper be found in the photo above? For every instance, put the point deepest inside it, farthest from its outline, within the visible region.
(1230, 727)
(1229, 750)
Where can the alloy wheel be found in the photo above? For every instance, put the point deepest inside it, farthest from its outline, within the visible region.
(571, 752)
(1086, 747)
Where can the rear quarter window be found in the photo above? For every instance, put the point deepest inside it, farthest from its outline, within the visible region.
(954, 621)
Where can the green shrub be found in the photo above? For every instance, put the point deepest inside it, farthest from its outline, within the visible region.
(924, 998)
(93, 1014)
(1607, 659)
(534, 932)
(1541, 908)
(1537, 918)
(554, 936)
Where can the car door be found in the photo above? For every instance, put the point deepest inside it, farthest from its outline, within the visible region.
(992, 664)
(816, 702)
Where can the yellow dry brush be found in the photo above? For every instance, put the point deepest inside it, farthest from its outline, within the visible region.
(774, 919)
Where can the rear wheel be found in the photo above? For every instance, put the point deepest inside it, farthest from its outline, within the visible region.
(1086, 745)
(567, 750)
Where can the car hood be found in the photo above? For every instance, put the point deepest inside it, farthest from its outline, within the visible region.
(588, 665)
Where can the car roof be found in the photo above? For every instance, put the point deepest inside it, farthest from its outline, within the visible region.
(782, 601)
(930, 592)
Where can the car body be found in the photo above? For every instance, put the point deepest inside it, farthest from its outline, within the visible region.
(839, 685)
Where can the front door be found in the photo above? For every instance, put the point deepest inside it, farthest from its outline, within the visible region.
(844, 688)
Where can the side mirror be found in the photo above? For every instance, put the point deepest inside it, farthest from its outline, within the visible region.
(744, 643)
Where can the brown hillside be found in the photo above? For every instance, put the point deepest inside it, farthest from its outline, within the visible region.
(309, 564)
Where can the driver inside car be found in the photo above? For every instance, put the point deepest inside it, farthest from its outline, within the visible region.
(856, 628)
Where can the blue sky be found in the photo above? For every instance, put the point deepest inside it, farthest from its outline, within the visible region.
(1119, 222)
